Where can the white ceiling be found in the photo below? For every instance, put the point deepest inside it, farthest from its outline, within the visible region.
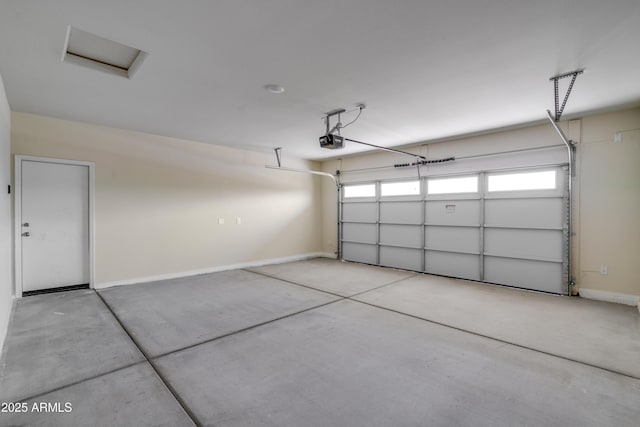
(426, 69)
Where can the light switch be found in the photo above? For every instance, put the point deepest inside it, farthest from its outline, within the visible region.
(238, 220)
(221, 221)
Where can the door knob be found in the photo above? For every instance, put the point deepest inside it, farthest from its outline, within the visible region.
(26, 234)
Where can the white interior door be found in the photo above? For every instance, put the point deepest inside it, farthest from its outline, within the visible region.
(54, 225)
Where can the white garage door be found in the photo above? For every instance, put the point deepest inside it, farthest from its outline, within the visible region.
(504, 227)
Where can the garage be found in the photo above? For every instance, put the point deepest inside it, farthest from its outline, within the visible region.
(299, 213)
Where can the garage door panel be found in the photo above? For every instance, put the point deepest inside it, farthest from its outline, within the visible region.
(410, 259)
(453, 264)
(403, 235)
(453, 212)
(512, 236)
(364, 212)
(537, 244)
(529, 274)
(359, 252)
(401, 212)
(364, 233)
(464, 239)
(532, 213)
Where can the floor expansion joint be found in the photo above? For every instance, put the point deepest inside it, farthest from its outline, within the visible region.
(164, 381)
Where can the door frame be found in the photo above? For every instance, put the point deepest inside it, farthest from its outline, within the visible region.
(17, 225)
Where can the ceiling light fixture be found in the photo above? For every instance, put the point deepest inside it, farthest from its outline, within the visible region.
(273, 88)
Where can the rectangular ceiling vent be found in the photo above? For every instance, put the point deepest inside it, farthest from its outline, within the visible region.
(96, 52)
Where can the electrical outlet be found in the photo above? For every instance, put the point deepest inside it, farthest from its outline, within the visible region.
(604, 270)
(617, 138)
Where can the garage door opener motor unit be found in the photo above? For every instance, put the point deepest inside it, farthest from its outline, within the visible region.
(331, 138)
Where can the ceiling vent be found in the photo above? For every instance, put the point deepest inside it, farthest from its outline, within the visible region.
(95, 52)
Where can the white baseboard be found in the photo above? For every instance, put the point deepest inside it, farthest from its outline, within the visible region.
(214, 269)
(607, 296)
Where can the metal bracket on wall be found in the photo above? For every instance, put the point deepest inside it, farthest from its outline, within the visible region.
(560, 108)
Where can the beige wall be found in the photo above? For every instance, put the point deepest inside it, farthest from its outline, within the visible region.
(5, 216)
(158, 199)
(609, 202)
(606, 197)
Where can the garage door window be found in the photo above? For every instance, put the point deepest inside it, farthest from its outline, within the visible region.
(365, 190)
(404, 188)
(544, 180)
(468, 184)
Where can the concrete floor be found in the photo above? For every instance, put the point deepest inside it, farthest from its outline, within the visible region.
(173, 314)
(600, 334)
(317, 343)
(344, 279)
